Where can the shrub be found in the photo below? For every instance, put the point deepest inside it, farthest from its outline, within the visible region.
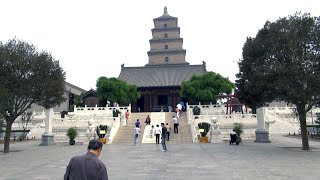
(206, 127)
(72, 133)
(196, 110)
(63, 113)
(238, 128)
(116, 112)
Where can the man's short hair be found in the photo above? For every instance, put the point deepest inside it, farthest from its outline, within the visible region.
(95, 145)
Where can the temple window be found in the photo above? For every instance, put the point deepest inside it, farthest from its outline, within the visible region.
(165, 46)
(165, 25)
(165, 35)
(167, 59)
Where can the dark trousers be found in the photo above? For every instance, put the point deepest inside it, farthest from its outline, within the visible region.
(175, 127)
(157, 138)
(168, 135)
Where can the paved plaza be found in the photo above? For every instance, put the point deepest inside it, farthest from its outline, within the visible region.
(277, 160)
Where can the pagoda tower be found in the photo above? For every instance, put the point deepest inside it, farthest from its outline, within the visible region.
(160, 79)
(166, 43)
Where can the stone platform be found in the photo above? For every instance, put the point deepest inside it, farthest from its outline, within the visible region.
(280, 159)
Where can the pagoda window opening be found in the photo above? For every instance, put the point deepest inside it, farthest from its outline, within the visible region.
(166, 35)
(166, 46)
(167, 59)
(165, 25)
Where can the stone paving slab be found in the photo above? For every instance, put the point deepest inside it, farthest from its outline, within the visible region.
(181, 161)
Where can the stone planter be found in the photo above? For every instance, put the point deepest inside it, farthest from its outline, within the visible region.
(204, 139)
(103, 140)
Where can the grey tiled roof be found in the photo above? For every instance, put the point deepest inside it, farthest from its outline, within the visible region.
(160, 75)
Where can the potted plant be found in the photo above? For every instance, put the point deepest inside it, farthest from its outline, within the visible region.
(63, 113)
(238, 128)
(204, 129)
(72, 133)
(196, 111)
(116, 112)
(101, 132)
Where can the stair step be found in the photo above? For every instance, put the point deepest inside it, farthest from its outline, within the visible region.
(125, 133)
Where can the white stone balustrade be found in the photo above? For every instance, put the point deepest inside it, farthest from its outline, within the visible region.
(79, 119)
(279, 120)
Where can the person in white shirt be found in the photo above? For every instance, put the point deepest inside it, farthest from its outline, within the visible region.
(157, 132)
(137, 131)
(175, 124)
(178, 110)
(151, 131)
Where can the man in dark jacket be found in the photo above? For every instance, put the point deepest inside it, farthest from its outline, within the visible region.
(163, 137)
(88, 166)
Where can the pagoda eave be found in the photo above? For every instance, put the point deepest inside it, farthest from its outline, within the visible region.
(175, 51)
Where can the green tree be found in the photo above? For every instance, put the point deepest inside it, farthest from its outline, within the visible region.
(2, 125)
(27, 76)
(282, 63)
(117, 90)
(204, 88)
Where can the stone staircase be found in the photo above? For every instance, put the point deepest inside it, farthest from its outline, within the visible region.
(184, 135)
(156, 119)
(125, 134)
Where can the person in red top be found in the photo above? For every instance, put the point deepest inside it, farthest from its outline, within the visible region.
(148, 120)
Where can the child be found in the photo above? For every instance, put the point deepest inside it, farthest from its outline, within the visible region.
(151, 131)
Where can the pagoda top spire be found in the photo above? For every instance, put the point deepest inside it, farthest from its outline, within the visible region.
(165, 11)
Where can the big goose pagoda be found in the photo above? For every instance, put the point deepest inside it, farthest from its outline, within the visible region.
(160, 79)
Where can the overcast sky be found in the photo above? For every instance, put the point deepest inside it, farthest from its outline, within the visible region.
(93, 38)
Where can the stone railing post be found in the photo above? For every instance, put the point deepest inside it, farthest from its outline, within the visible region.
(85, 108)
(262, 134)
(47, 136)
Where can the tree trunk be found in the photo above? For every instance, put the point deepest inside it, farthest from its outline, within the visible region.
(303, 125)
(7, 137)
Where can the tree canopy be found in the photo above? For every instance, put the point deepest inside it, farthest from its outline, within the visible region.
(203, 88)
(2, 125)
(282, 63)
(27, 76)
(116, 90)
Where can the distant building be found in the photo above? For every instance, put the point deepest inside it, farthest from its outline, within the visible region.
(90, 98)
(159, 81)
(70, 91)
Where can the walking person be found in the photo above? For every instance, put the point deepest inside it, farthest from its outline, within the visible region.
(175, 124)
(177, 113)
(157, 132)
(137, 123)
(127, 114)
(168, 131)
(151, 131)
(163, 137)
(137, 131)
(87, 166)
